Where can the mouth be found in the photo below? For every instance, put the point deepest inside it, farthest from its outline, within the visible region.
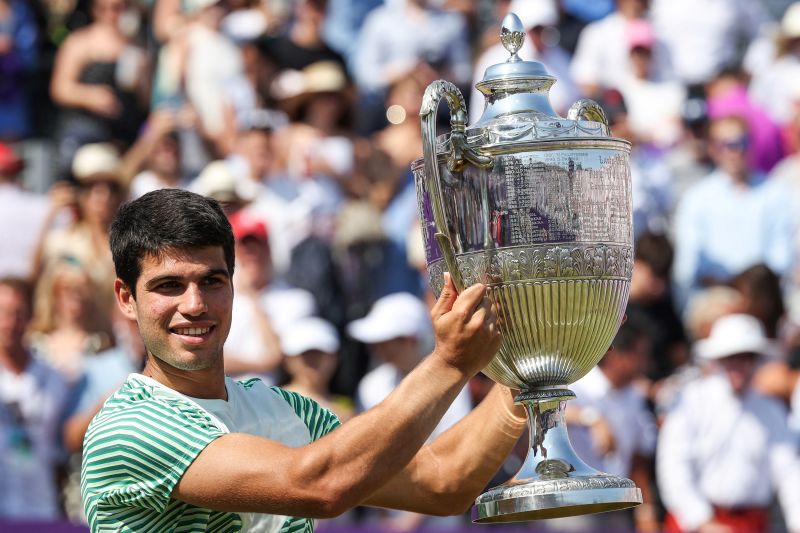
(193, 334)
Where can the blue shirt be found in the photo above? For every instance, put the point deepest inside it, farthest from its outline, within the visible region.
(723, 228)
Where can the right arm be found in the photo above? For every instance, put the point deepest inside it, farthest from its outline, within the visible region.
(342, 469)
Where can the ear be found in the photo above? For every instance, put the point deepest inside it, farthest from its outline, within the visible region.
(125, 299)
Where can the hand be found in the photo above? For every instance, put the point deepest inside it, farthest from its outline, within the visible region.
(602, 436)
(467, 335)
(102, 101)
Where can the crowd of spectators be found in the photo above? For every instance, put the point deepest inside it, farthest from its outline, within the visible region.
(301, 118)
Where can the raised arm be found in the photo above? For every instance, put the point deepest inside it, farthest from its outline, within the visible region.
(446, 476)
(344, 468)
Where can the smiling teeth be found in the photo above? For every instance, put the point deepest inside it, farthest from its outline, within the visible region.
(192, 331)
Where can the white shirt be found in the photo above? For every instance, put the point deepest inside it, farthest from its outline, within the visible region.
(378, 383)
(654, 109)
(31, 409)
(22, 217)
(554, 58)
(602, 56)
(702, 35)
(774, 88)
(625, 410)
(719, 449)
(282, 306)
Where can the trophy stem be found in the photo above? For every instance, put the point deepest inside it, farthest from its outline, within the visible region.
(553, 481)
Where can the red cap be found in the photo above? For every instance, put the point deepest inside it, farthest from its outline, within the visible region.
(10, 163)
(245, 224)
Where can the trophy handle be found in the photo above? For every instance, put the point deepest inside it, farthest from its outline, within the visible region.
(586, 109)
(459, 153)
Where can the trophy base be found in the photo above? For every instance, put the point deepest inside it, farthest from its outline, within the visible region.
(540, 499)
(553, 482)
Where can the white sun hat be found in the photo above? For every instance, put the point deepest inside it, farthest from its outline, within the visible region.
(398, 315)
(533, 13)
(734, 334)
(310, 333)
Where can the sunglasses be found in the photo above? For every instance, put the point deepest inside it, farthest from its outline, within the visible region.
(739, 144)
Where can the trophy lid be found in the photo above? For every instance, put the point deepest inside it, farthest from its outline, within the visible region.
(515, 86)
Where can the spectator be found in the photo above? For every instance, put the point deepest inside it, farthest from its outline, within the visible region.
(32, 399)
(310, 346)
(651, 297)
(70, 321)
(702, 37)
(725, 449)
(763, 298)
(612, 428)
(602, 58)
(262, 307)
(397, 331)
(98, 81)
(732, 219)
(161, 156)
(23, 216)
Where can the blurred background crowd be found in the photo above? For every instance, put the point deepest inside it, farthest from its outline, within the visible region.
(301, 118)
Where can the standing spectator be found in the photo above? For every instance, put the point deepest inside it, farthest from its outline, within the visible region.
(22, 217)
(32, 399)
(18, 58)
(612, 428)
(602, 58)
(98, 80)
(725, 449)
(704, 36)
(732, 219)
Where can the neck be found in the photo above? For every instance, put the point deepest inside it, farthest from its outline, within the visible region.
(207, 384)
(305, 34)
(14, 358)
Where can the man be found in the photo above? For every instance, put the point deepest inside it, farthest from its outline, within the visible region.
(732, 219)
(182, 447)
(32, 399)
(725, 449)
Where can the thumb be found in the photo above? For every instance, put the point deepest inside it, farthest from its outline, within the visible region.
(446, 299)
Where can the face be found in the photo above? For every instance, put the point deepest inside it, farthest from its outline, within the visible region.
(253, 260)
(402, 352)
(72, 292)
(255, 147)
(108, 11)
(646, 286)
(165, 159)
(99, 201)
(728, 146)
(15, 313)
(182, 306)
(317, 366)
(739, 369)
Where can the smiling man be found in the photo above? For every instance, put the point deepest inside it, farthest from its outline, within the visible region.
(182, 447)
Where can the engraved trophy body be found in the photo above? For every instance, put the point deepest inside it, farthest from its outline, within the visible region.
(538, 208)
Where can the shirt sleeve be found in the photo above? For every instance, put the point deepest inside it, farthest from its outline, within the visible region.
(134, 456)
(318, 420)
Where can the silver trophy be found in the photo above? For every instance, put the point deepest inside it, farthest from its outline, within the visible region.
(538, 208)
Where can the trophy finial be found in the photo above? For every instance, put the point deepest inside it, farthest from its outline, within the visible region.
(512, 35)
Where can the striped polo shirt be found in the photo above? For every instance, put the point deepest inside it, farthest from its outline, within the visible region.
(146, 436)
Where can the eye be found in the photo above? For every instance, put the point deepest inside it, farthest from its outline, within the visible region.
(215, 281)
(168, 286)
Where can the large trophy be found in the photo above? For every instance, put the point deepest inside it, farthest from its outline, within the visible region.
(538, 208)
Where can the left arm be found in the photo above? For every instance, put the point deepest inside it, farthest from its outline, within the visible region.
(446, 476)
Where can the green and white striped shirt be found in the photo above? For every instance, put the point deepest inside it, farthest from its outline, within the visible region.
(146, 436)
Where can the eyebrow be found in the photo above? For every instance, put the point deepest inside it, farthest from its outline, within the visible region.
(168, 277)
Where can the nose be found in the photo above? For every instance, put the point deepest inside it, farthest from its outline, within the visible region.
(193, 302)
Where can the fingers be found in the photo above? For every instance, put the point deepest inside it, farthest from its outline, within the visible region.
(468, 301)
(446, 299)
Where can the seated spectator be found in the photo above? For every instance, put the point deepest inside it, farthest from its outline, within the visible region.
(310, 347)
(397, 331)
(32, 402)
(98, 80)
(602, 58)
(732, 219)
(70, 322)
(262, 308)
(23, 216)
(725, 449)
